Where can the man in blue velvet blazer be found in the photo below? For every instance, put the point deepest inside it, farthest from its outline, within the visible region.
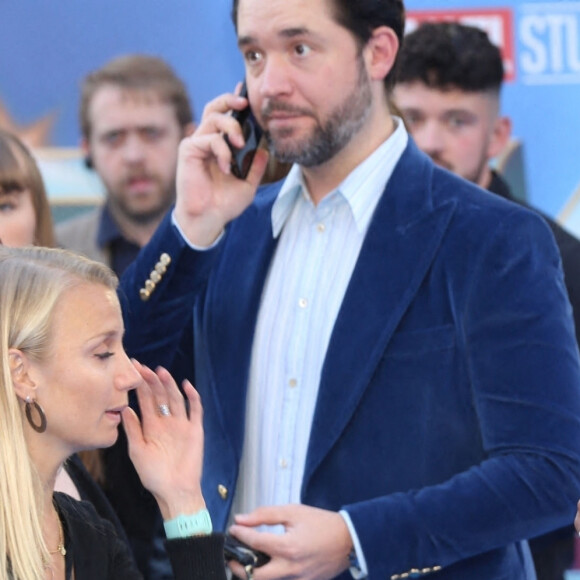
(445, 420)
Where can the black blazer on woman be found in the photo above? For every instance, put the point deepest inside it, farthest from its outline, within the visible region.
(96, 552)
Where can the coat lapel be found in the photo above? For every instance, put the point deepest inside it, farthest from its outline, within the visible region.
(231, 326)
(401, 243)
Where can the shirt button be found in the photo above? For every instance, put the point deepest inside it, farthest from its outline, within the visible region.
(292, 383)
(303, 303)
(321, 227)
(283, 463)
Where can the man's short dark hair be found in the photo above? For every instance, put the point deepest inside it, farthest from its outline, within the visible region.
(137, 72)
(447, 55)
(361, 17)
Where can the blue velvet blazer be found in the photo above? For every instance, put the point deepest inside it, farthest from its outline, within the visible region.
(448, 417)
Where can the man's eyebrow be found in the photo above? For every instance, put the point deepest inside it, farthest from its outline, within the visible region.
(110, 132)
(459, 111)
(286, 33)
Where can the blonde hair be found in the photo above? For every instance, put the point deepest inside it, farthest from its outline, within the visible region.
(19, 172)
(32, 281)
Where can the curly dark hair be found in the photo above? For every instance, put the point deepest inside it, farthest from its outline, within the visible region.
(361, 17)
(446, 55)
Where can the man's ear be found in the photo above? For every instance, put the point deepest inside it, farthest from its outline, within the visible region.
(188, 130)
(24, 384)
(380, 52)
(88, 157)
(500, 136)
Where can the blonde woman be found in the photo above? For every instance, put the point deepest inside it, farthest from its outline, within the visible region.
(63, 388)
(25, 219)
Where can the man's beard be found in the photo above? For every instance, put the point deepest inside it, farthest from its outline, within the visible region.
(143, 216)
(474, 176)
(328, 138)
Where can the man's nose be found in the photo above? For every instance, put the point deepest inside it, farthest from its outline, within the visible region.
(134, 148)
(275, 79)
(429, 138)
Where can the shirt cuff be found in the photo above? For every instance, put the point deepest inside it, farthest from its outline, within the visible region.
(193, 246)
(360, 571)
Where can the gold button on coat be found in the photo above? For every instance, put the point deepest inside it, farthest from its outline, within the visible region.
(223, 491)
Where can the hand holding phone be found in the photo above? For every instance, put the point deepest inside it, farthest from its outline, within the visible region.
(248, 557)
(242, 157)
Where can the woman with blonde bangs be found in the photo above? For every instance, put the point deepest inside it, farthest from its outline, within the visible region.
(25, 217)
(64, 387)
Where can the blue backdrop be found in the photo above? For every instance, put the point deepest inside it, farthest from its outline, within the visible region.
(47, 47)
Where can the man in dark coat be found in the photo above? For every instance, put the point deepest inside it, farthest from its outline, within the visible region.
(448, 86)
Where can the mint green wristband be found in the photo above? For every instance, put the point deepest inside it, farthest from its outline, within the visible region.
(198, 524)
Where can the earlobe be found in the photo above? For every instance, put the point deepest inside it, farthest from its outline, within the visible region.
(381, 52)
(188, 130)
(88, 157)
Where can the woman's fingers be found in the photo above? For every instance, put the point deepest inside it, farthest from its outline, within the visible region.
(132, 426)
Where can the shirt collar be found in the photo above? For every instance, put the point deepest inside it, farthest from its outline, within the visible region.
(108, 230)
(362, 187)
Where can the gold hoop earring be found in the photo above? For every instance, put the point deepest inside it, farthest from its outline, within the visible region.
(32, 404)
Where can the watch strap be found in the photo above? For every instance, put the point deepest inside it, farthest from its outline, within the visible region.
(184, 526)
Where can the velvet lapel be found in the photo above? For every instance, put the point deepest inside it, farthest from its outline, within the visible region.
(401, 243)
(244, 267)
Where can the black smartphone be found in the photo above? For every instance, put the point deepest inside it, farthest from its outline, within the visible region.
(242, 157)
(242, 553)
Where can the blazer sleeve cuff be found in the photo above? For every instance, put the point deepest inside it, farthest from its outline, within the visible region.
(193, 246)
(358, 568)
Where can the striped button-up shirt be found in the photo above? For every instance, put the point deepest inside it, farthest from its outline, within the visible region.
(311, 269)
